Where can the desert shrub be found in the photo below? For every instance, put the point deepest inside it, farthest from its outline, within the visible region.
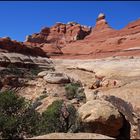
(72, 119)
(71, 90)
(75, 90)
(42, 97)
(80, 95)
(32, 73)
(58, 117)
(51, 118)
(10, 103)
(17, 119)
(36, 103)
(29, 123)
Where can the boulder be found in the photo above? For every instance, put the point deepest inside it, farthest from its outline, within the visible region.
(57, 78)
(131, 128)
(111, 83)
(99, 116)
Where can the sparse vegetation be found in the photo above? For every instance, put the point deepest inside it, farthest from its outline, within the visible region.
(58, 117)
(71, 90)
(29, 73)
(17, 119)
(74, 90)
(51, 118)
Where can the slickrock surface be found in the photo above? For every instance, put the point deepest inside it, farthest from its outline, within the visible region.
(72, 136)
(118, 77)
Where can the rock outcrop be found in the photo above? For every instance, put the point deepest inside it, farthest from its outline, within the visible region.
(119, 85)
(24, 61)
(131, 126)
(110, 86)
(100, 117)
(52, 39)
(104, 41)
(101, 24)
(73, 40)
(57, 78)
(60, 33)
(6, 44)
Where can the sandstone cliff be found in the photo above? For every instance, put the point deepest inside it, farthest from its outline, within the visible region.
(73, 40)
(52, 39)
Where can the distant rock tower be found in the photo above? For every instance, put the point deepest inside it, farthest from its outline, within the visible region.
(101, 23)
(100, 17)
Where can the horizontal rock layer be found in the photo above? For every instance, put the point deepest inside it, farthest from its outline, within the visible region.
(25, 61)
(8, 45)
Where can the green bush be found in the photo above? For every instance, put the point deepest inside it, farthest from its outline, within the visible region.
(10, 103)
(58, 117)
(16, 117)
(72, 119)
(75, 90)
(71, 90)
(51, 117)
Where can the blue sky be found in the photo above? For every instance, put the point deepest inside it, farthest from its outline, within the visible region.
(21, 18)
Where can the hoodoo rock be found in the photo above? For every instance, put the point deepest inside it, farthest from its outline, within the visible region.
(101, 23)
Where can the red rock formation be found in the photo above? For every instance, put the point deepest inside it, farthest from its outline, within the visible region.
(105, 41)
(6, 44)
(52, 39)
(101, 24)
(73, 40)
(59, 33)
